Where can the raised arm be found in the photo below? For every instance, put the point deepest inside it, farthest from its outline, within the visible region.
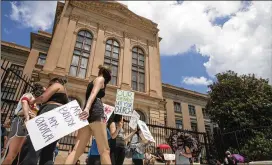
(54, 88)
(130, 135)
(113, 130)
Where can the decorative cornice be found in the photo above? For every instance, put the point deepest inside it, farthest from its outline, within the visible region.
(132, 19)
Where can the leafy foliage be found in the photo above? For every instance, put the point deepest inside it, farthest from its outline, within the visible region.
(238, 102)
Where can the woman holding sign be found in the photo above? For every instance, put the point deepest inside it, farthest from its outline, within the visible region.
(118, 139)
(54, 96)
(94, 112)
(23, 112)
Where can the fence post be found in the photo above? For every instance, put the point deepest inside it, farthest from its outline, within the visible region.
(237, 142)
(206, 147)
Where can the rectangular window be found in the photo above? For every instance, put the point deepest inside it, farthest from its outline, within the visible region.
(177, 107)
(208, 128)
(41, 59)
(179, 124)
(192, 111)
(194, 126)
(205, 115)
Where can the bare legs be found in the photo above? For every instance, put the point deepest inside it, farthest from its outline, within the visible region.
(98, 129)
(82, 139)
(15, 145)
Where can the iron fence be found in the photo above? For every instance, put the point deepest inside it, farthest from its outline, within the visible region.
(13, 85)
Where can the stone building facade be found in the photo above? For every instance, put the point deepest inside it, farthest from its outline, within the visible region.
(89, 33)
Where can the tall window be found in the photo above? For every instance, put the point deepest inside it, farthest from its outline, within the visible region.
(81, 54)
(194, 126)
(41, 59)
(179, 124)
(177, 107)
(205, 114)
(138, 70)
(192, 111)
(112, 59)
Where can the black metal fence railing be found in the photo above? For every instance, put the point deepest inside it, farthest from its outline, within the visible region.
(13, 85)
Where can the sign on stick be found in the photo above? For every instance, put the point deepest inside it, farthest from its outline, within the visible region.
(108, 110)
(124, 103)
(134, 120)
(55, 124)
(147, 134)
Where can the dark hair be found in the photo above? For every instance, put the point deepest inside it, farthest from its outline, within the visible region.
(59, 80)
(105, 71)
(117, 118)
(37, 90)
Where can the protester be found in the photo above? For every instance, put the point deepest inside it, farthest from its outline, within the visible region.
(93, 155)
(229, 159)
(183, 155)
(54, 96)
(94, 112)
(159, 155)
(149, 159)
(118, 139)
(138, 143)
(23, 112)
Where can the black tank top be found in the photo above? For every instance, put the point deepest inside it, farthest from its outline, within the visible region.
(100, 94)
(59, 98)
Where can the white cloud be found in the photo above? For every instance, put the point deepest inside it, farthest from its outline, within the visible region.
(34, 14)
(196, 81)
(242, 44)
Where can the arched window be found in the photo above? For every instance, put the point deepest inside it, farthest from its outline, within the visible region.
(138, 70)
(142, 115)
(81, 54)
(112, 58)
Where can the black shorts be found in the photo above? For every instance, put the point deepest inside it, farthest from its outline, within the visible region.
(96, 111)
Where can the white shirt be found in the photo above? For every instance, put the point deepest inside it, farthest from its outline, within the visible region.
(19, 105)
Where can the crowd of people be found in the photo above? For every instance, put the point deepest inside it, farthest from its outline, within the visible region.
(108, 139)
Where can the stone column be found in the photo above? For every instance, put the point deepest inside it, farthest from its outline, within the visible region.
(56, 45)
(126, 77)
(99, 51)
(64, 54)
(185, 116)
(152, 51)
(91, 58)
(31, 62)
(170, 116)
(200, 119)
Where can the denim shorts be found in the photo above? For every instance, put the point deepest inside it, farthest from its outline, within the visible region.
(96, 112)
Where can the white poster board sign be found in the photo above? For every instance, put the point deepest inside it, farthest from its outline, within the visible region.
(147, 134)
(134, 120)
(108, 110)
(169, 156)
(124, 103)
(55, 124)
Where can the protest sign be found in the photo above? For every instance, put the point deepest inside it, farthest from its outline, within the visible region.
(147, 134)
(134, 120)
(55, 124)
(108, 110)
(124, 103)
(169, 156)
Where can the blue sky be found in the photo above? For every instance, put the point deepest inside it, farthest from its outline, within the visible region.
(185, 69)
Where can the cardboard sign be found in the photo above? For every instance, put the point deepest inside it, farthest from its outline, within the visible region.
(169, 156)
(108, 110)
(124, 103)
(147, 134)
(134, 120)
(55, 124)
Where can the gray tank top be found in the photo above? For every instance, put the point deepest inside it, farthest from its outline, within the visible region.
(120, 139)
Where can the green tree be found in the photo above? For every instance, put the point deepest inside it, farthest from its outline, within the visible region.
(238, 102)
